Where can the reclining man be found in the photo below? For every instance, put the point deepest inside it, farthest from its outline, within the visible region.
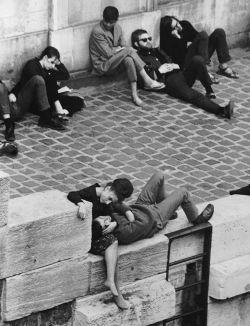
(152, 210)
(37, 89)
(178, 83)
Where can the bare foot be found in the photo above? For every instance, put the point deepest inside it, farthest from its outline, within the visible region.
(121, 302)
(112, 287)
(137, 101)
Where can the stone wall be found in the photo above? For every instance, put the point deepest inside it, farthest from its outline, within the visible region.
(48, 276)
(28, 26)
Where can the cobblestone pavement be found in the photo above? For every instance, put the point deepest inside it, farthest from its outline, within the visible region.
(112, 138)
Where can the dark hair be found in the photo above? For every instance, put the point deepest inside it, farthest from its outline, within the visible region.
(110, 14)
(122, 187)
(166, 24)
(50, 51)
(135, 36)
(96, 230)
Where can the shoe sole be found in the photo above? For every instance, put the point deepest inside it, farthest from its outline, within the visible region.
(230, 109)
(50, 127)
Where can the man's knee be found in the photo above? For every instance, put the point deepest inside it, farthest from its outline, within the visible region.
(37, 80)
(203, 35)
(219, 32)
(3, 89)
(128, 61)
(158, 176)
(183, 192)
(198, 60)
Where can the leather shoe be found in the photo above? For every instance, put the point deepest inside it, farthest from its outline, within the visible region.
(228, 110)
(52, 123)
(205, 215)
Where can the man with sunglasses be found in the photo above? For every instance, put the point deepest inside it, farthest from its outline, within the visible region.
(178, 83)
(109, 54)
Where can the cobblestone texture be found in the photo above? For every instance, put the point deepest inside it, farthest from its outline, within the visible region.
(113, 138)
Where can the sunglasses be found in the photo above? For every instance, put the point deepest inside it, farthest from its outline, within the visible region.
(146, 39)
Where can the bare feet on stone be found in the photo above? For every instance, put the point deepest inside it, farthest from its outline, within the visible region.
(121, 302)
(137, 101)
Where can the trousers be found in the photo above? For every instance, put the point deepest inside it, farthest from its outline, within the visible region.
(205, 46)
(179, 84)
(126, 58)
(32, 97)
(5, 105)
(162, 205)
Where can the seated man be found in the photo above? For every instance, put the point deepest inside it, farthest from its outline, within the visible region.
(37, 89)
(152, 210)
(178, 83)
(6, 114)
(176, 35)
(108, 53)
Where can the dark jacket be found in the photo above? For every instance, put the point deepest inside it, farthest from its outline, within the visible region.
(177, 48)
(34, 68)
(154, 58)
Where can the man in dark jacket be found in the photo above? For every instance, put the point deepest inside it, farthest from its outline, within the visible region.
(37, 89)
(153, 209)
(178, 83)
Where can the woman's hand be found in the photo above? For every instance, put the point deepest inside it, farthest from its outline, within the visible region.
(130, 216)
(82, 212)
(110, 228)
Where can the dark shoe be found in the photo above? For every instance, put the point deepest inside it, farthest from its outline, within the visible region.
(9, 131)
(210, 95)
(228, 110)
(174, 216)
(241, 191)
(206, 214)
(52, 123)
(228, 72)
(9, 149)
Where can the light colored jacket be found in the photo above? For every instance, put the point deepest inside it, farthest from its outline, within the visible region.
(102, 45)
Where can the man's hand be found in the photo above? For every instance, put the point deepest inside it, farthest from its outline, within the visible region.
(130, 216)
(82, 212)
(110, 228)
(167, 67)
(119, 48)
(12, 97)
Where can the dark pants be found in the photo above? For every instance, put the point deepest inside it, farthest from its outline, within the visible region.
(162, 205)
(205, 46)
(5, 105)
(179, 84)
(32, 97)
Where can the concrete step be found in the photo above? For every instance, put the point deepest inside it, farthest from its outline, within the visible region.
(231, 312)
(230, 278)
(87, 83)
(151, 300)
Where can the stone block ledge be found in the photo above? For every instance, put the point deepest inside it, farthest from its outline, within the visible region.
(42, 229)
(230, 278)
(151, 300)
